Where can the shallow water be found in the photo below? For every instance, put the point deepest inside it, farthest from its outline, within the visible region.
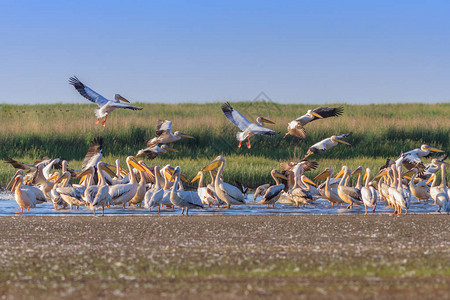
(9, 207)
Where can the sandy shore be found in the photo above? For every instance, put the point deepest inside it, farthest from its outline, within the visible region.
(345, 257)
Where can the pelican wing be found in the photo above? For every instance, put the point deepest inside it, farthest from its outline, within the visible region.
(236, 117)
(162, 126)
(343, 136)
(388, 164)
(304, 163)
(296, 128)
(326, 112)
(258, 129)
(19, 165)
(233, 192)
(191, 199)
(123, 105)
(70, 191)
(272, 192)
(87, 93)
(119, 189)
(323, 145)
(352, 192)
(94, 154)
(164, 137)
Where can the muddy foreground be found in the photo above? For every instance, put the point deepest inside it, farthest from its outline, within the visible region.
(325, 256)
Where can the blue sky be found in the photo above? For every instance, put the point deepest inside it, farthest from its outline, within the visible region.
(202, 51)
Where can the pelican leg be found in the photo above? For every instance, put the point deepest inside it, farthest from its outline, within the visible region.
(267, 205)
(104, 121)
(373, 211)
(187, 211)
(124, 205)
(273, 205)
(182, 211)
(28, 209)
(365, 207)
(249, 146)
(98, 120)
(406, 211)
(94, 211)
(103, 211)
(159, 208)
(240, 144)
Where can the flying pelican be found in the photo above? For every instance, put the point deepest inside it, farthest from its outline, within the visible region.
(413, 158)
(183, 199)
(123, 193)
(248, 128)
(348, 194)
(368, 193)
(226, 192)
(24, 197)
(164, 134)
(296, 128)
(273, 193)
(154, 150)
(327, 144)
(105, 106)
(330, 193)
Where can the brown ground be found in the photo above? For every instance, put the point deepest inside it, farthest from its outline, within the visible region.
(344, 257)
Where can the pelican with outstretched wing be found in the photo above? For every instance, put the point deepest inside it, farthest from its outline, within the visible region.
(248, 128)
(413, 159)
(165, 135)
(327, 144)
(105, 106)
(296, 127)
(153, 151)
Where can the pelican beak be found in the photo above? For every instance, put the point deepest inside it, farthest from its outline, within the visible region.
(168, 173)
(122, 99)
(84, 173)
(308, 154)
(12, 180)
(196, 178)
(406, 177)
(16, 180)
(185, 135)
(136, 165)
(146, 168)
(339, 175)
(170, 149)
(435, 149)
(279, 175)
(108, 171)
(82, 180)
(53, 176)
(365, 176)
(342, 141)
(212, 165)
(322, 175)
(306, 179)
(357, 171)
(380, 174)
(173, 174)
(60, 178)
(431, 178)
(316, 115)
(408, 173)
(264, 120)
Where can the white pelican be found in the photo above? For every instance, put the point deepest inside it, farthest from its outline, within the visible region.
(348, 194)
(440, 193)
(368, 193)
(433, 167)
(123, 193)
(330, 193)
(71, 195)
(40, 197)
(299, 193)
(205, 193)
(142, 188)
(273, 193)
(295, 127)
(105, 106)
(358, 181)
(156, 188)
(24, 197)
(183, 199)
(154, 150)
(248, 128)
(30, 169)
(226, 192)
(327, 144)
(94, 154)
(161, 196)
(420, 190)
(164, 134)
(413, 158)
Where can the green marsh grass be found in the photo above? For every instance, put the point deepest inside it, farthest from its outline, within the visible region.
(378, 131)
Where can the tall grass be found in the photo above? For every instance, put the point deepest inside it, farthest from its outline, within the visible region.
(379, 131)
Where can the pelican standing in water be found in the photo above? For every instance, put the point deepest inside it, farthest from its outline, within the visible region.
(327, 144)
(368, 193)
(123, 193)
(24, 197)
(226, 192)
(295, 127)
(329, 192)
(348, 194)
(273, 193)
(248, 128)
(105, 106)
(440, 193)
(183, 199)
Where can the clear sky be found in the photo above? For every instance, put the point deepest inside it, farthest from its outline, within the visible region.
(201, 51)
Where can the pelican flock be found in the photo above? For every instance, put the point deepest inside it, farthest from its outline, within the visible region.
(101, 185)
